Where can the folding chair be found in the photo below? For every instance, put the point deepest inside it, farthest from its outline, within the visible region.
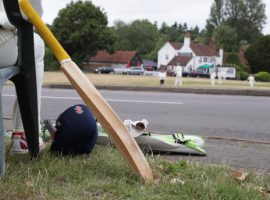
(23, 75)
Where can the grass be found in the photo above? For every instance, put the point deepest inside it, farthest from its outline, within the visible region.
(105, 175)
(151, 81)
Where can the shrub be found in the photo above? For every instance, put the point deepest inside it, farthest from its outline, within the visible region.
(258, 55)
(242, 72)
(50, 62)
(262, 76)
(233, 58)
(244, 75)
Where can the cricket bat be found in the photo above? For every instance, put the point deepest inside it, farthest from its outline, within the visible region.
(92, 98)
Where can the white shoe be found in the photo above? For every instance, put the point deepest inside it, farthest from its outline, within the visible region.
(19, 143)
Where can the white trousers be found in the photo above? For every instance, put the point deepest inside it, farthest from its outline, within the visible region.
(9, 56)
(178, 80)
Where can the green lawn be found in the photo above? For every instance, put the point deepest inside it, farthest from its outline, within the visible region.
(150, 81)
(105, 175)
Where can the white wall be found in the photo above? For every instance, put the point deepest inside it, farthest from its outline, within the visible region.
(166, 54)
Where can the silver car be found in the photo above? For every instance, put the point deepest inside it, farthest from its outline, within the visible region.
(134, 71)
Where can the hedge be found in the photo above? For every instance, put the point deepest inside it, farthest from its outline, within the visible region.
(262, 76)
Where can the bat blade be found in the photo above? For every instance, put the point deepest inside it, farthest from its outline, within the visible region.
(108, 119)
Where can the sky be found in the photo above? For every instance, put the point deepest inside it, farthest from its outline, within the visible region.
(193, 12)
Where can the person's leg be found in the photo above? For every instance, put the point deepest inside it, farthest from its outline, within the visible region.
(39, 62)
(8, 53)
(176, 81)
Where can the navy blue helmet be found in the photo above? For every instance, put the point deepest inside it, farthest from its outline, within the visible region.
(76, 131)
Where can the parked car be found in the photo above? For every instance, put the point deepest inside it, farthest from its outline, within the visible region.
(184, 73)
(104, 70)
(134, 71)
(200, 72)
(193, 73)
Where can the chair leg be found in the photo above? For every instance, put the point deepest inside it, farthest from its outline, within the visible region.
(27, 97)
(5, 74)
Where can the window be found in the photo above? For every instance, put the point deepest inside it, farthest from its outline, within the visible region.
(167, 57)
(204, 59)
(184, 54)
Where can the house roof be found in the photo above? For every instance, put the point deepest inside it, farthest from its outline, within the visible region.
(203, 50)
(198, 49)
(182, 60)
(176, 46)
(116, 57)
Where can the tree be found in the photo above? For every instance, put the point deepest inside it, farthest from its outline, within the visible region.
(226, 38)
(258, 54)
(139, 35)
(153, 54)
(216, 13)
(82, 29)
(247, 17)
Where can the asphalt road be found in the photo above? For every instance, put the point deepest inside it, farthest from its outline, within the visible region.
(243, 117)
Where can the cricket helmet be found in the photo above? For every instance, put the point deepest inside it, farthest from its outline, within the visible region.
(76, 131)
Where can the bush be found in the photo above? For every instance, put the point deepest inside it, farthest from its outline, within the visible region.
(244, 75)
(242, 72)
(233, 58)
(262, 76)
(50, 62)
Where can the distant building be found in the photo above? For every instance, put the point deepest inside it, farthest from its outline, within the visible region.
(189, 55)
(118, 59)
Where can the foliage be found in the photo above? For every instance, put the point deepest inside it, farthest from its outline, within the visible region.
(105, 175)
(258, 54)
(244, 75)
(82, 29)
(176, 32)
(246, 17)
(140, 35)
(50, 62)
(263, 76)
(226, 38)
(216, 13)
(233, 58)
(153, 54)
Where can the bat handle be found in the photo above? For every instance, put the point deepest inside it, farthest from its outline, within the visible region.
(44, 31)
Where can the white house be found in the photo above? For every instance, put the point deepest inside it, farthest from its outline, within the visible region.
(189, 55)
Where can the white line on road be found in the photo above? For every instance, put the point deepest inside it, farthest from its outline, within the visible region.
(110, 100)
(136, 101)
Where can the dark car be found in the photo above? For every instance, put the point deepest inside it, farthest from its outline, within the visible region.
(200, 72)
(104, 70)
(185, 74)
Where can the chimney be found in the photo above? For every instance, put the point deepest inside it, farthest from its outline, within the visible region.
(187, 39)
(242, 57)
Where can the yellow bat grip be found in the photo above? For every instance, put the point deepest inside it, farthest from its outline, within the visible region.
(44, 31)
